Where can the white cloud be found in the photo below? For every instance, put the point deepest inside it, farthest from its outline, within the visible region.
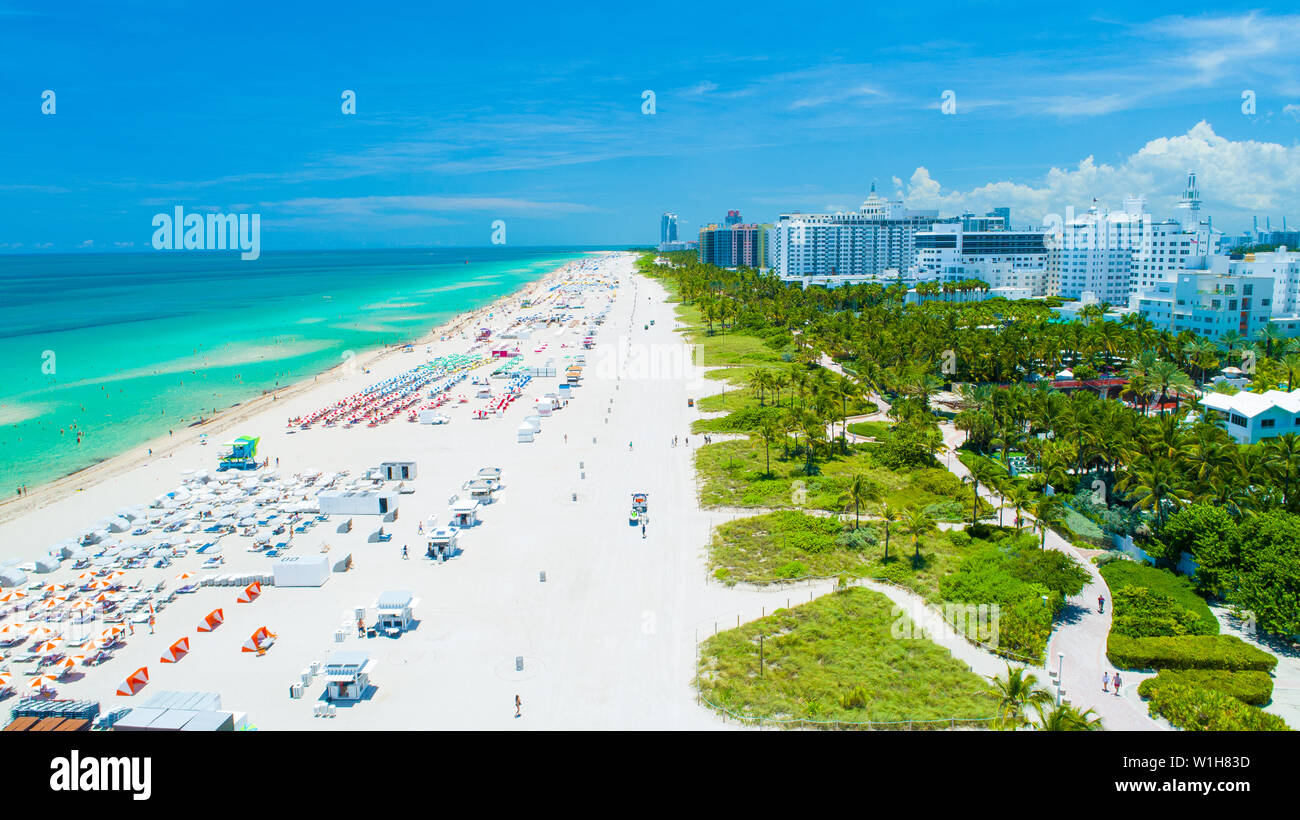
(1236, 178)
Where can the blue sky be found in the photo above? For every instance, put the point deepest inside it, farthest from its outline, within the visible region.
(531, 113)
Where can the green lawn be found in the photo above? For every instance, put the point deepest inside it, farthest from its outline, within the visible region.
(746, 413)
(835, 659)
(732, 475)
(870, 429)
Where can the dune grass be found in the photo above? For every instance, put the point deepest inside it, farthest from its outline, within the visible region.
(836, 659)
(732, 475)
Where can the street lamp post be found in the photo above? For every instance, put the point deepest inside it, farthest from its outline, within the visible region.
(1060, 670)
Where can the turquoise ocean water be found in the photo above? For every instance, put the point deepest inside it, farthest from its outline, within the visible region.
(122, 348)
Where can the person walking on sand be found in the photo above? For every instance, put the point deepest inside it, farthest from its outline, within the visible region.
(518, 705)
(404, 556)
(1105, 681)
(643, 529)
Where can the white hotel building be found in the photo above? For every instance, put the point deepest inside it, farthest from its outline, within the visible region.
(1242, 294)
(1011, 262)
(858, 246)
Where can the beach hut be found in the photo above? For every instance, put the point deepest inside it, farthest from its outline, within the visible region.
(524, 433)
(347, 675)
(301, 570)
(543, 407)
(480, 489)
(464, 512)
(397, 470)
(250, 593)
(259, 641)
(395, 611)
(134, 682)
(212, 620)
(357, 502)
(176, 651)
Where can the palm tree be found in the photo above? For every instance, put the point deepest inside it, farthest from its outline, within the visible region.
(861, 490)
(1048, 510)
(1021, 497)
(889, 515)
(1018, 690)
(985, 472)
(767, 433)
(917, 523)
(1066, 718)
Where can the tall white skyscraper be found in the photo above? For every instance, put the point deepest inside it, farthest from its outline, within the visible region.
(863, 243)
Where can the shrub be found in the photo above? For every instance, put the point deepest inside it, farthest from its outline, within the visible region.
(792, 569)
(1179, 590)
(1202, 710)
(858, 540)
(1253, 687)
(1141, 612)
(946, 510)
(1187, 652)
(937, 482)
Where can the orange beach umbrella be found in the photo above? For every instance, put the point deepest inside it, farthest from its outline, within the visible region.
(212, 620)
(176, 651)
(134, 682)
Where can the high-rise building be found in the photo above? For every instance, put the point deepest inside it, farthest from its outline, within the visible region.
(879, 236)
(1174, 244)
(1011, 262)
(734, 245)
(1092, 253)
(667, 228)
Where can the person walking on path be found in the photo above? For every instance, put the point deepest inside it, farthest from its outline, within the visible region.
(518, 705)
(1105, 681)
(1117, 683)
(1101, 604)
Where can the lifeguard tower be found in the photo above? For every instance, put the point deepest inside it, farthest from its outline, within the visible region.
(240, 454)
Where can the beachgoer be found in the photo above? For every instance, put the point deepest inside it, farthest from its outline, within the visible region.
(518, 705)
(361, 628)
(629, 446)
(1105, 681)
(643, 528)
(1101, 604)
(1117, 683)
(404, 556)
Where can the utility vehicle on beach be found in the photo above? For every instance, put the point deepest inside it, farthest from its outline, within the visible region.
(639, 506)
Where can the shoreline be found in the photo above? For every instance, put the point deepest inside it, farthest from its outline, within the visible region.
(62, 487)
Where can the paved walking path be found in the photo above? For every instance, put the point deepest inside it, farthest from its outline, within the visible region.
(1080, 633)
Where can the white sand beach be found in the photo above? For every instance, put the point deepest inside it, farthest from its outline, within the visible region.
(608, 639)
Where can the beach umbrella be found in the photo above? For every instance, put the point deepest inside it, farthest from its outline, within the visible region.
(82, 606)
(113, 632)
(6, 680)
(71, 662)
(42, 682)
(39, 632)
(134, 682)
(184, 576)
(176, 651)
(13, 630)
(115, 574)
(212, 620)
(250, 593)
(12, 595)
(51, 603)
(259, 641)
(52, 645)
(50, 589)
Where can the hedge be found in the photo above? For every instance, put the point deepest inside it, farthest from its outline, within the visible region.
(1120, 574)
(1194, 709)
(1187, 652)
(1253, 687)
